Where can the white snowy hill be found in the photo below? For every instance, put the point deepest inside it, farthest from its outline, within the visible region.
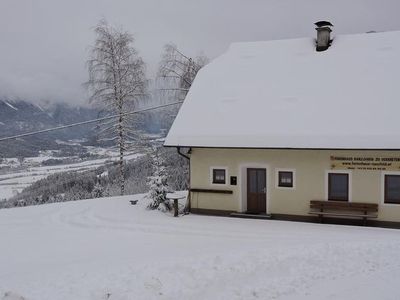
(109, 249)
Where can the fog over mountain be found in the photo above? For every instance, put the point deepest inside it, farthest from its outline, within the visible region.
(44, 43)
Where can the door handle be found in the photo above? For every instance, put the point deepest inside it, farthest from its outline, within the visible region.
(265, 190)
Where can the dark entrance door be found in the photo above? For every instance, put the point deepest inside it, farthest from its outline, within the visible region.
(256, 191)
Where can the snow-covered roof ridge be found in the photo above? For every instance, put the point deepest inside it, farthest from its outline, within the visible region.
(285, 94)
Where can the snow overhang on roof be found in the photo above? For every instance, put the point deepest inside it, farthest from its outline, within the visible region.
(284, 94)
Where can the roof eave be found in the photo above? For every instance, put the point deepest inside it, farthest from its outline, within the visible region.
(285, 148)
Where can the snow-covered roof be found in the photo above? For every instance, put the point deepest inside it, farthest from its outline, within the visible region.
(284, 94)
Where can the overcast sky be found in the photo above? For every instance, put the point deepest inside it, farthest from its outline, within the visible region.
(44, 43)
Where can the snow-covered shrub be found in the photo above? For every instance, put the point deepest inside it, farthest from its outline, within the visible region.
(99, 191)
(158, 184)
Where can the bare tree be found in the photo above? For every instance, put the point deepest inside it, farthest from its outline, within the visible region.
(117, 83)
(176, 74)
(177, 71)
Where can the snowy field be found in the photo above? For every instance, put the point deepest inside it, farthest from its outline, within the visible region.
(109, 249)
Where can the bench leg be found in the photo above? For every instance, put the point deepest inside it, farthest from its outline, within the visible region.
(365, 218)
(175, 207)
(320, 218)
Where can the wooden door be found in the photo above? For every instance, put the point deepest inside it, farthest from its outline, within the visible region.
(256, 191)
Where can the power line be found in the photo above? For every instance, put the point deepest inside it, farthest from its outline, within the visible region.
(86, 122)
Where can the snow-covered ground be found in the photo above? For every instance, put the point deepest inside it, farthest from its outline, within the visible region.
(109, 249)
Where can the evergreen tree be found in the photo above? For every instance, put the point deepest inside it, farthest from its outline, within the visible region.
(158, 184)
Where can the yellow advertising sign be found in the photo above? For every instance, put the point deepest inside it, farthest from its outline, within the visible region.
(365, 163)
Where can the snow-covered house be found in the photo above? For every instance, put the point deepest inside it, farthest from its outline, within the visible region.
(272, 125)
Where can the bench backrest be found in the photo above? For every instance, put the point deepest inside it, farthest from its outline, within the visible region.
(343, 205)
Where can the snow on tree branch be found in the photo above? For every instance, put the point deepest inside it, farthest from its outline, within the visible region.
(117, 82)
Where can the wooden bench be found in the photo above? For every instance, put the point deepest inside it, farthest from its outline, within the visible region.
(343, 209)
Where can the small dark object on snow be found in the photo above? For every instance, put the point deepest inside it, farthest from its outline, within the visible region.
(133, 202)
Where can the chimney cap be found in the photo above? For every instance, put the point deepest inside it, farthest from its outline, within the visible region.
(323, 23)
(323, 29)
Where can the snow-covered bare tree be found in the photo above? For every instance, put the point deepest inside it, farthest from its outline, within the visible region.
(158, 183)
(117, 83)
(175, 76)
(177, 71)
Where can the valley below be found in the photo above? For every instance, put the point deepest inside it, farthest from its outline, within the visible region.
(16, 174)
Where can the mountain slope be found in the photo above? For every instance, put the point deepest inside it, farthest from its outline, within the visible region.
(18, 117)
